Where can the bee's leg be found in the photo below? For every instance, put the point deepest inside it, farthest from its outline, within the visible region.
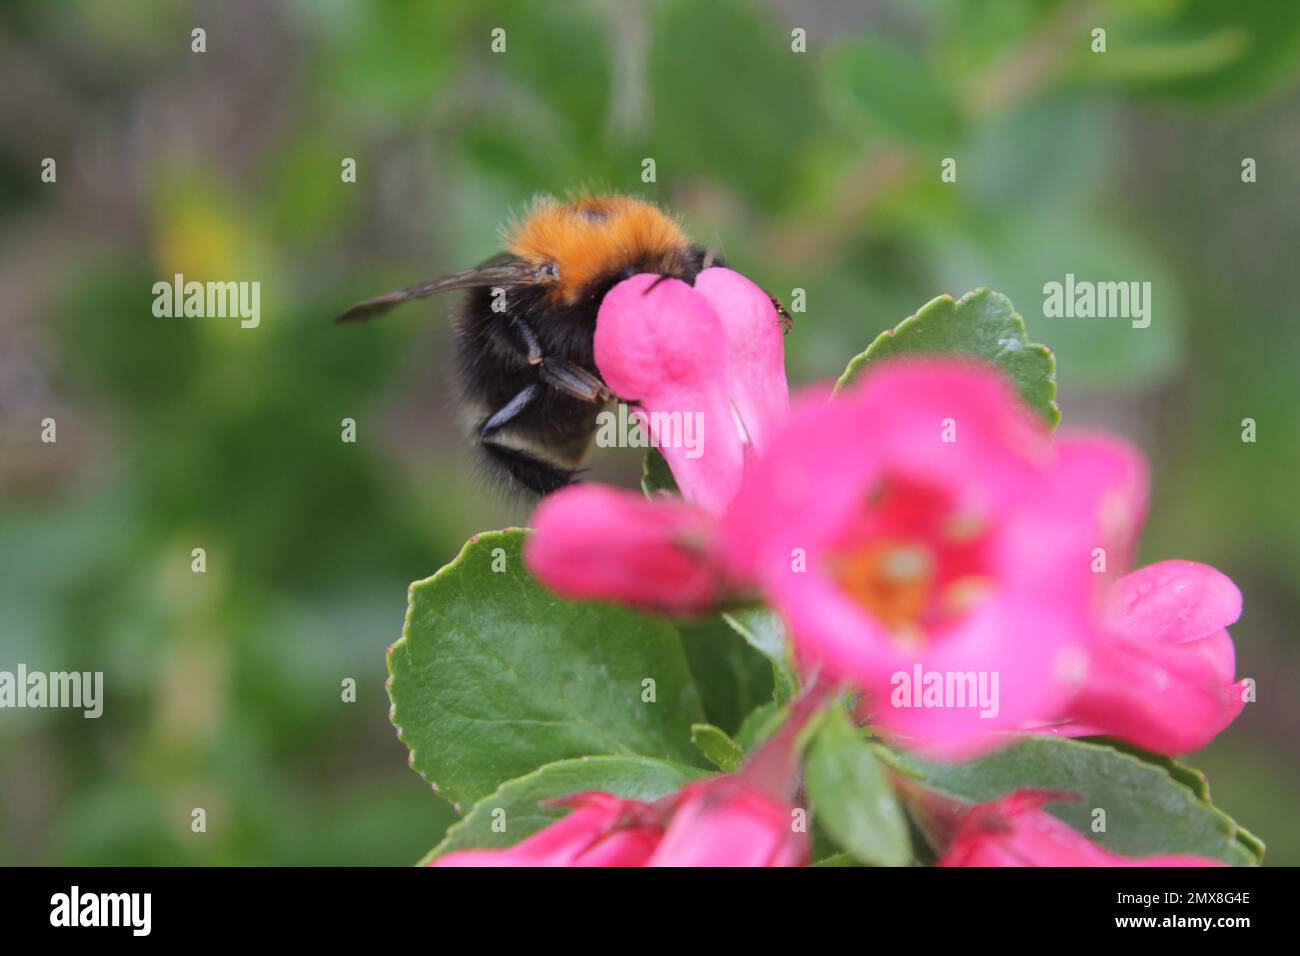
(574, 380)
(532, 347)
(514, 340)
(508, 411)
(560, 374)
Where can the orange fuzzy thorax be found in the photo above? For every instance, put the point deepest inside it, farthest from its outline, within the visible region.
(594, 236)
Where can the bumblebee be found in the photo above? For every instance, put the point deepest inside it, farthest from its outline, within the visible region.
(525, 332)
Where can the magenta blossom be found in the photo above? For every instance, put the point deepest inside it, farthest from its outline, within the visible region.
(713, 351)
(919, 527)
(723, 822)
(929, 544)
(653, 560)
(718, 822)
(740, 819)
(1163, 674)
(926, 545)
(1015, 830)
(602, 830)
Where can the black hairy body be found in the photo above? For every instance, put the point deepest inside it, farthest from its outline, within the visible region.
(542, 445)
(525, 333)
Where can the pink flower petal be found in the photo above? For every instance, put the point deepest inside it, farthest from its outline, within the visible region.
(755, 348)
(567, 841)
(1115, 475)
(1173, 601)
(659, 343)
(1014, 830)
(1169, 698)
(1163, 676)
(952, 421)
(722, 823)
(958, 429)
(596, 543)
(633, 846)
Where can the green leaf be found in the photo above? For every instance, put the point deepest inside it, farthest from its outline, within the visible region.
(851, 795)
(982, 324)
(723, 752)
(495, 676)
(837, 859)
(764, 630)
(656, 476)
(1147, 809)
(516, 802)
(731, 676)
(760, 725)
(1189, 777)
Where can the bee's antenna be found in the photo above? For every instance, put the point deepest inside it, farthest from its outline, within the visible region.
(517, 272)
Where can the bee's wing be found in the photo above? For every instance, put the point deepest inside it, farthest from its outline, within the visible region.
(496, 272)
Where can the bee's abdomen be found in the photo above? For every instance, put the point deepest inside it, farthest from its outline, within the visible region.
(542, 446)
(539, 475)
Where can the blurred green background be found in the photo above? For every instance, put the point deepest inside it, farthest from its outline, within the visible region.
(817, 170)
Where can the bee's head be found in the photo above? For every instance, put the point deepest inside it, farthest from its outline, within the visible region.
(573, 245)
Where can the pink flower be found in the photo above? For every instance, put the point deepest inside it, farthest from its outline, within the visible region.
(615, 544)
(713, 351)
(1120, 471)
(724, 822)
(919, 524)
(928, 543)
(602, 830)
(1163, 677)
(1161, 674)
(1014, 830)
(740, 819)
(746, 818)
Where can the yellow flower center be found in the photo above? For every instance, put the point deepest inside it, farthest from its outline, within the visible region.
(915, 562)
(893, 580)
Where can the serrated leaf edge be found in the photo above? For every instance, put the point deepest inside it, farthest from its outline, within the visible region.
(401, 644)
(856, 364)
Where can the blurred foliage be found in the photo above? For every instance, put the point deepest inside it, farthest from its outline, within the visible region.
(817, 170)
